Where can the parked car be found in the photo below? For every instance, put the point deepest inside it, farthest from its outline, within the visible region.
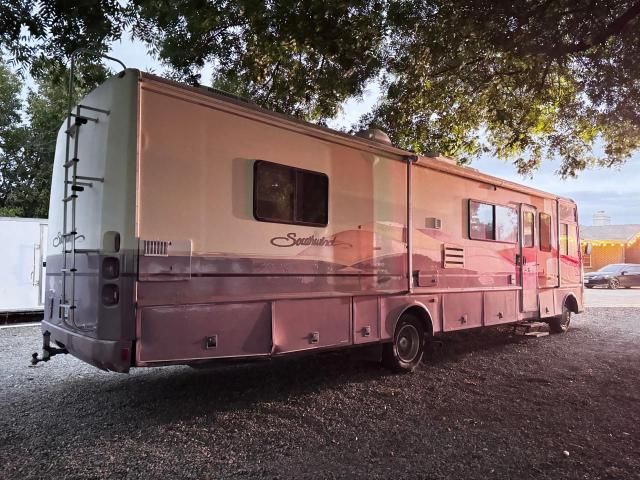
(614, 276)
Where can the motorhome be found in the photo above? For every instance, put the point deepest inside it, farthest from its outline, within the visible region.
(187, 226)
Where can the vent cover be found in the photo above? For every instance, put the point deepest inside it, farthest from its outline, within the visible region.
(156, 248)
(432, 222)
(452, 256)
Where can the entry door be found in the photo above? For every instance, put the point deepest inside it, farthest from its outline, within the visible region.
(528, 259)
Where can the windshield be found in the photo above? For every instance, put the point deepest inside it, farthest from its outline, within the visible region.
(611, 268)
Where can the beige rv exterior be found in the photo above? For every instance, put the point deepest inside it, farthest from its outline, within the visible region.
(175, 266)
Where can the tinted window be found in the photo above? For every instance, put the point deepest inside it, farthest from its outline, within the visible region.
(527, 229)
(481, 221)
(290, 195)
(545, 232)
(615, 268)
(312, 197)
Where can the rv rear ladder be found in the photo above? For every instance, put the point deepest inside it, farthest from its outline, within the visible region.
(73, 184)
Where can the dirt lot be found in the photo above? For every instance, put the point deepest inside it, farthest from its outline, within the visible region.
(490, 405)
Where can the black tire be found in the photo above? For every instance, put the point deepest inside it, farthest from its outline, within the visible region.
(405, 352)
(560, 324)
(589, 286)
(614, 283)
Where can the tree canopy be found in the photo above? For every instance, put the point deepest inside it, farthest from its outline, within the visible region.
(28, 134)
(524, 80)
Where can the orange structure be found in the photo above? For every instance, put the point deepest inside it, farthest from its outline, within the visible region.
(610, 244)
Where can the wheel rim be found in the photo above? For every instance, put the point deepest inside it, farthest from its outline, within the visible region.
(408, 343)
(614, 283)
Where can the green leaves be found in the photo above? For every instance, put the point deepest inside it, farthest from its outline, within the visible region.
(27, 147)
(526, 80)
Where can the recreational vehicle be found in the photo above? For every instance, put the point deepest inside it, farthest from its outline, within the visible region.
(187, 226)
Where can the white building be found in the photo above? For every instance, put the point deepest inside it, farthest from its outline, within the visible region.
(22, 253)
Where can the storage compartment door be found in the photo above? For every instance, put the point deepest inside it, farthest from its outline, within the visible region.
(183, 333)
(313, 323)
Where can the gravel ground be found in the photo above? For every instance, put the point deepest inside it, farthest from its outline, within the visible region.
(488, 405)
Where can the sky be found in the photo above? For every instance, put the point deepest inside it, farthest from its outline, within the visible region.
(616, 191)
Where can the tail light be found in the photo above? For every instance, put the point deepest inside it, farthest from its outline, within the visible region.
(110, 294)
(110, 268)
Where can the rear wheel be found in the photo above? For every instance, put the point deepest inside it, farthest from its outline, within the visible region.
(560, 324)
(614, 283)
(406, 350)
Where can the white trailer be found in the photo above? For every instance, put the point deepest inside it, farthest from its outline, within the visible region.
(22, 253)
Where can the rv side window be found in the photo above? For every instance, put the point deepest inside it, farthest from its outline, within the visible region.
(289, 195)
(564, 239)
(506, 224)
(492, 222)
(481, 221)
(545, 232)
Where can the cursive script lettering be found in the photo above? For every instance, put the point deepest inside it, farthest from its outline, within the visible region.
(292, 240)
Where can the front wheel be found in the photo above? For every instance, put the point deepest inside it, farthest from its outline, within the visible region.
(561, 323)
(614, 283)
(406, 350)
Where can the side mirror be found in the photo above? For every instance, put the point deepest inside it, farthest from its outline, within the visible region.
(587, 248)
(624, 272)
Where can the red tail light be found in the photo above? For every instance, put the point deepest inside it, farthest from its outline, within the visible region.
(110, 268)
(110, 294)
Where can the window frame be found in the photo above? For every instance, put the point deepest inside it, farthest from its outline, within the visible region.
(256, 166)
(540, 215)
(495, 226)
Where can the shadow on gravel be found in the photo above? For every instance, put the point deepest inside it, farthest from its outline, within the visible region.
(452, 346)
(170, 394)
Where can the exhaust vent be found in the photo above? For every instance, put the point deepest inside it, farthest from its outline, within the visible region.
(374, 134)
(452, 256)
(156, 248)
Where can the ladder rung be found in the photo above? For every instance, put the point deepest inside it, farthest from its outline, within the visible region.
(70, 197)
(69, 234)
(77, 188)
(87, 250)
(71, 162)
(69, 270)
(94, 109)
(67, 306)
(94, 179)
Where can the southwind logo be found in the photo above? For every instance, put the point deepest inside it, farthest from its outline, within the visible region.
(292, 240)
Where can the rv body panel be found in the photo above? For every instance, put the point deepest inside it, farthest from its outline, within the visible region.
(105, 149)
(203, 276)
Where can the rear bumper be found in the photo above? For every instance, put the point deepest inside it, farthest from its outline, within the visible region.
(114, 355)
